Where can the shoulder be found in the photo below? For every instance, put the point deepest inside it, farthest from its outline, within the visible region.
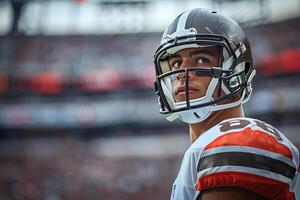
(247, 132)
(247, 153)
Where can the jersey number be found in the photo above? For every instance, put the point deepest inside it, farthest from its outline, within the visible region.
(242, 123)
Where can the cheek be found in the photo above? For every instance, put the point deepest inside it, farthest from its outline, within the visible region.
(201, 83)
(216, 63)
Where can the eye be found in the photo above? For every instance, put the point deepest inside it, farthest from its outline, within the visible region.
(202, 60)
(175, 64)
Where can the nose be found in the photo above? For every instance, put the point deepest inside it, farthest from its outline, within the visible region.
(186, 63)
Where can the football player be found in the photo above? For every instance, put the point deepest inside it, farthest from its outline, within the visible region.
(204, 71)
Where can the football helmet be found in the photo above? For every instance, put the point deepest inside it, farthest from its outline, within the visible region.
(203, 28)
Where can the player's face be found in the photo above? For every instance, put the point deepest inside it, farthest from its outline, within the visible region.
(189, 58)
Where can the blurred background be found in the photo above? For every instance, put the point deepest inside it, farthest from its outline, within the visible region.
(78, 114)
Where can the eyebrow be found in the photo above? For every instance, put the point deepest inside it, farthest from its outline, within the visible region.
(199, 51)
(195, 52)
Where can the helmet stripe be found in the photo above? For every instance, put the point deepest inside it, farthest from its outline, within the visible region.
(182, 20)
(173, 27)
(190, 19)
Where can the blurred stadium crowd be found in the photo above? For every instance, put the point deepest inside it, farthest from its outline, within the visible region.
(61, 97)
(70, 169)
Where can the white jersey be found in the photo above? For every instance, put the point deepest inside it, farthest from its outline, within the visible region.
(240, 152)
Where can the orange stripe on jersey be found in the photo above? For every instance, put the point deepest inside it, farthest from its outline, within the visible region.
(267, 187)
(251, 138)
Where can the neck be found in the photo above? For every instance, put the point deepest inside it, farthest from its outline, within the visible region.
(197, 129)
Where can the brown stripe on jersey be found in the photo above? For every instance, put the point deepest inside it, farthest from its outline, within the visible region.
(246, 160)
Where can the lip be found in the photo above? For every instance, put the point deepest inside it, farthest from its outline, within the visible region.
(181, 90)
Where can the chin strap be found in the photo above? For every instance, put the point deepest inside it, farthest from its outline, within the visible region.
(194, 115)
(172, 117)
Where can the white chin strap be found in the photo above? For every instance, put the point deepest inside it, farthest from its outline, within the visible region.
(197, 115)
(194, 115)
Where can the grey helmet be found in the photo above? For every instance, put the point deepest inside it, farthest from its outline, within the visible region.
(198, 28)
